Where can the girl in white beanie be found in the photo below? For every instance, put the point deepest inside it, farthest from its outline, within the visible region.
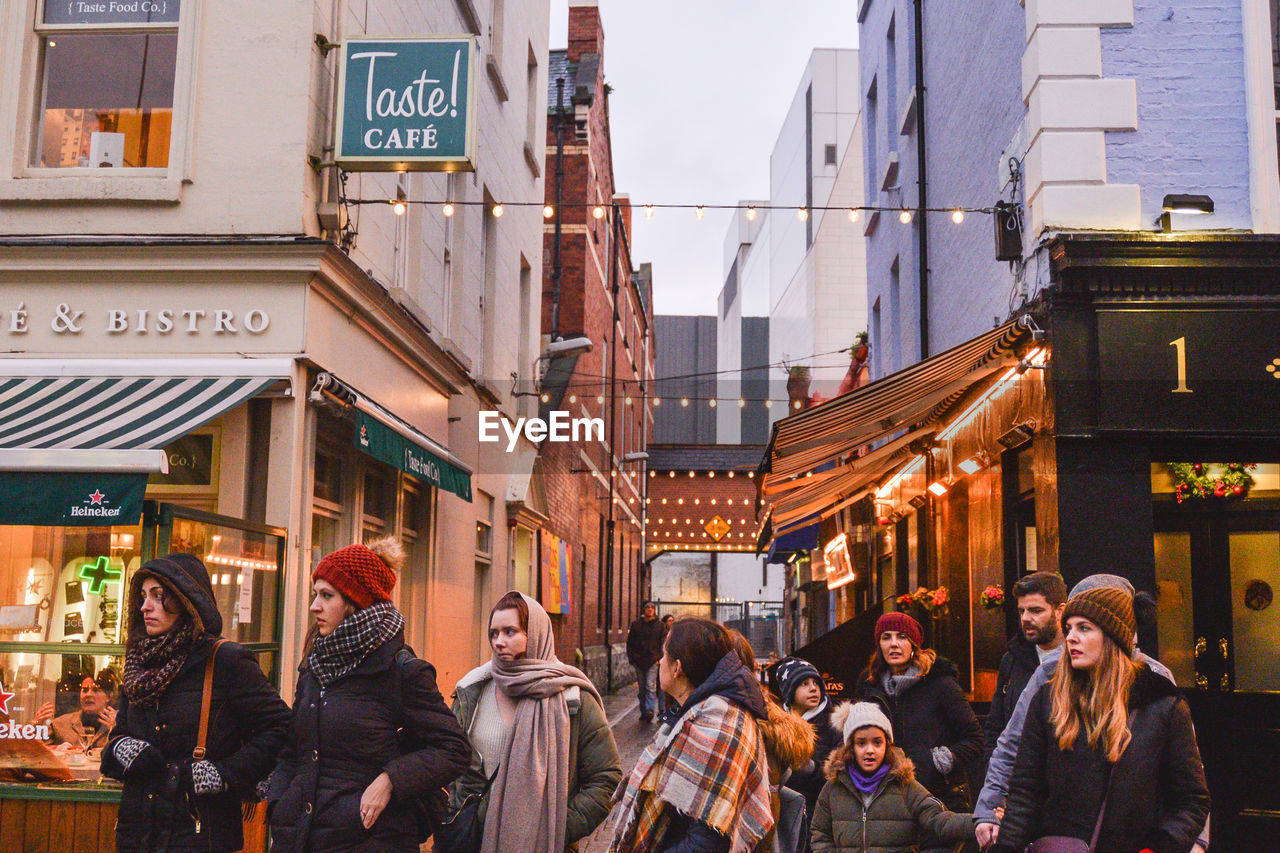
(872, 802)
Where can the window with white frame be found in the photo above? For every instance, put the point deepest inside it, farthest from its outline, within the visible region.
(106, 84)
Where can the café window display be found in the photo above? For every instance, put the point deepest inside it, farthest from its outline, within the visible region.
(106, 85)
(64, 622)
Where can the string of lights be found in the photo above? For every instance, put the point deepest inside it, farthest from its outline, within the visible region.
(684, 402)
(905, 213)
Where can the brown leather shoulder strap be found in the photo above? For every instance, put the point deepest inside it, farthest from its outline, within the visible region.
(205, 701)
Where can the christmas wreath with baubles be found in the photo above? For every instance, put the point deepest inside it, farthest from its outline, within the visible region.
(1194, 480)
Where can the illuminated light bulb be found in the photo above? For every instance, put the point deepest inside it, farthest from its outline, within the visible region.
(628, 401)
(854, 214)
(598, 211)
(546, 398)
(657, 401)
(712, 402)
(399, 207)
(664, 501)
(751, 214)
(752, 475)
(548, 211)
(938, 489)
(653, 474)
(447, 210)
(796, 404)
(497, 211)
(671, 474)
(741, 403)
(684, 401)
(680, 501)
(905, 217)
(802, 214)
(768, 404)
(730, 477)
(957, 216)
(971, 465)
(573, 398)
(711, 474)
(600, 398)
(699, 212)
(690, 473)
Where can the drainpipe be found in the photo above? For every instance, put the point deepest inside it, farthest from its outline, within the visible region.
(922, 181)
(556, 268)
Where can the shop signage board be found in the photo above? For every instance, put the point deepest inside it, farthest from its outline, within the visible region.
(839, 565)
(383, 443)
(72, 499)
(556, 559)
(96, 13)
(1188, 370)
(407, 104)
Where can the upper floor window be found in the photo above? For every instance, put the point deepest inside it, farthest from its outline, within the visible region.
(106, 83)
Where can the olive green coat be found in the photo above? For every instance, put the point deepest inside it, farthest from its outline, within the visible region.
(900, 809)
(594, 767)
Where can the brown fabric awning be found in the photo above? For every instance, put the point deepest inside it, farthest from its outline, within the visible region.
(828, 436)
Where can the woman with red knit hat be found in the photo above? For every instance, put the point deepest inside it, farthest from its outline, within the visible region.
(933, 723)
(371, 733)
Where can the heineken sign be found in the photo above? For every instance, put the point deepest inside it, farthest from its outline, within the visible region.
(387, 445)
(406, 105)
(72, 499)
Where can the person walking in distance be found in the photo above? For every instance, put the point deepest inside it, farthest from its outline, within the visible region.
(175, 796)
(644, 648)
(1040, 597)
(1108, 756)
(539, 732)
(371, 733)
(932, 720)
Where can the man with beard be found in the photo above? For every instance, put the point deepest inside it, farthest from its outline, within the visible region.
(1040, 597)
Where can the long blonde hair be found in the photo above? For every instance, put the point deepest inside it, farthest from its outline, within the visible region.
(1096, 700)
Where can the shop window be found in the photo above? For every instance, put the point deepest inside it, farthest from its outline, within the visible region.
(378, 503)
(328, 477)
(484, 526)
(106, 97)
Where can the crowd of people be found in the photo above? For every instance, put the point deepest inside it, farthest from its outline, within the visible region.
(1087, 745)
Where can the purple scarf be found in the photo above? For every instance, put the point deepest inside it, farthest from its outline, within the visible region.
(868, 784)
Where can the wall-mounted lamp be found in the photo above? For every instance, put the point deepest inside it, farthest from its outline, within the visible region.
(937, 488)
(565, 348)
(1183, 203)
(975, 463)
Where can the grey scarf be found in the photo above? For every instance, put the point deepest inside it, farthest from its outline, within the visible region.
(535, 763)
(896, 685)
(335, 655)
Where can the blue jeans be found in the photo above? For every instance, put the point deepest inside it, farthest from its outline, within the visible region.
(647, 688)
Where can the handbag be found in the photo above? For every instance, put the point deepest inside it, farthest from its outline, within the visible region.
(463, 830)
(1069, 843)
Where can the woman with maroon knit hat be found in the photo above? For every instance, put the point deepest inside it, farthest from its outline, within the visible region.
(371, 733)
(932, 721)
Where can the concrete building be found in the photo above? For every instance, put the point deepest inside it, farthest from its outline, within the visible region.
(310, 364)
(590, 289)
(742, 331)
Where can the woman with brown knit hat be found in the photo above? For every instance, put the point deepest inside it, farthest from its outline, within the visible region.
(932, 720)
(172, 800)
(1108, 758)
(371, 733)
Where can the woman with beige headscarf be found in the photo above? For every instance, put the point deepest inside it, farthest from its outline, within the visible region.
(538, 729)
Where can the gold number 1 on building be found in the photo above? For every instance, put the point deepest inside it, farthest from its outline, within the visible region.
(1181, 346)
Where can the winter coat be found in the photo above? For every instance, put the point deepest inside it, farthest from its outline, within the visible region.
(1159, 799)
(594, 767)
(644, 642)
(1020, 661)
(932, 712)
(810, 779)
(788, 743)
(386, 715)
(900, 812)
(248, 723)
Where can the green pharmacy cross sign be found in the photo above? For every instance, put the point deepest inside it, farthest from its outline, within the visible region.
(407, 105)
(99, 574)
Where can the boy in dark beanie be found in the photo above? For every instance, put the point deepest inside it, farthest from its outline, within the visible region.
(802, 693)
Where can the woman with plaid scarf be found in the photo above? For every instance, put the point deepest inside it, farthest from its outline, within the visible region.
(702, 785)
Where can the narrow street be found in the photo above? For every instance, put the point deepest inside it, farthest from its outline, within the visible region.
(632, 736)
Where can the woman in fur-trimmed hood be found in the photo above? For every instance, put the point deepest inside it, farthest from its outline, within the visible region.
(872, 802)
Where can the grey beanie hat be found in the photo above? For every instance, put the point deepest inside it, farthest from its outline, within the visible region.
(1100, 581)
(865, 714)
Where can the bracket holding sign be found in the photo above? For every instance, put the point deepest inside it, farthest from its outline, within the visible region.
(407, 104)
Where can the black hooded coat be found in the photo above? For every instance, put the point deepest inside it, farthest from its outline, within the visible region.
(248, 724)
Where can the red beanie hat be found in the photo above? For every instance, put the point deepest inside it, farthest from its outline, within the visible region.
(903, 623)
(362, 573)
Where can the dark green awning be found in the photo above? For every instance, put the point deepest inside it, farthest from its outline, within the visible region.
(391, 446)
(67, 499)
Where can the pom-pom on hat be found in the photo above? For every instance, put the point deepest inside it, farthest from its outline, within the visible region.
(903, 623)
(848, 717)
(1111, 609)
(363, 573)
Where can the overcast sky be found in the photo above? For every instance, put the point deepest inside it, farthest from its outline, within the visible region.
(700, 88)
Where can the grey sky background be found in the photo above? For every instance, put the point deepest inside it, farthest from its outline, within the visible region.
(700, 88)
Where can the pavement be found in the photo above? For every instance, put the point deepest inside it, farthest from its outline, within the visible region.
(632, 736)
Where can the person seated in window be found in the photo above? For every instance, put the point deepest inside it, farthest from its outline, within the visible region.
(90, 725)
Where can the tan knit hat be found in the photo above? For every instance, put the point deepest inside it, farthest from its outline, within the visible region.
(1108, 607)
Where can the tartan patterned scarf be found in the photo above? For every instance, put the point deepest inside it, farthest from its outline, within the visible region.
(341, 651)
(711, 766)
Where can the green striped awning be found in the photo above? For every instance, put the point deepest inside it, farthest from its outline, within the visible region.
(115, 412)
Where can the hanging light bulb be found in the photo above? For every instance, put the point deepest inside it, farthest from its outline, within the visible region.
(905, 217)
(598, 211)
(628, 401)
(657, 401)
(853, 214)
(957, 216)
(573, 398)
(751, 213)
(768, 404)
(684, 401)
(497, 211)
(399, 207)
(546, 398)
(699, 212)
(802, 214)
(741, 403)
(548, 211)
(648, 211)
(447, 210)
(600, 398)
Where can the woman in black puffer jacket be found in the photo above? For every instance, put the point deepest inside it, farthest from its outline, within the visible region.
(172, 802)
(371, 732)
(933, 723)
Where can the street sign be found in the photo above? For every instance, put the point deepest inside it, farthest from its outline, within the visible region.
(407, 105)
